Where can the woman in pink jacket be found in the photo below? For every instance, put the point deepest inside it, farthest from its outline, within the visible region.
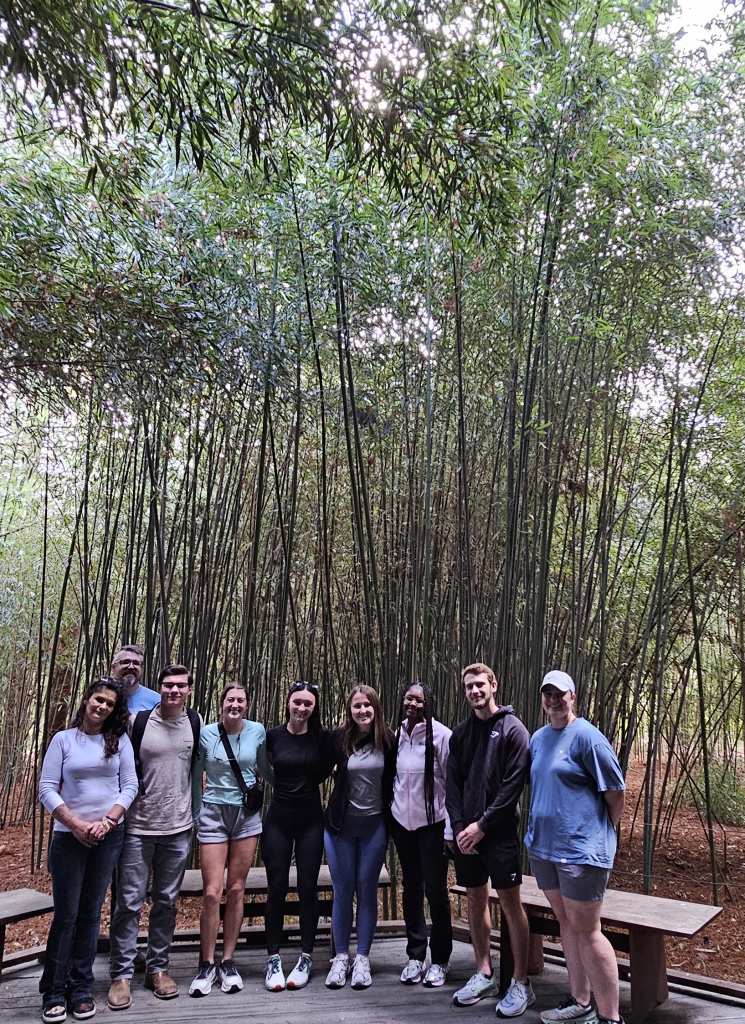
(420, 828)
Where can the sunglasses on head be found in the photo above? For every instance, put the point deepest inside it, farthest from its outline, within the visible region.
(300, 685)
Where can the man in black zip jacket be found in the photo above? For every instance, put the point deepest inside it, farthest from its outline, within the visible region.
(487, 770)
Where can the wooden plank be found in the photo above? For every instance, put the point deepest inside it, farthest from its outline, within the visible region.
(631, 910)
(20, 904)
(256, 883)
(34, 954)
(386, 1002)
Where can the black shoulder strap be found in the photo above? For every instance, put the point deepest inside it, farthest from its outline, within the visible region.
(231, 757)
(196, 728)
(138, 731)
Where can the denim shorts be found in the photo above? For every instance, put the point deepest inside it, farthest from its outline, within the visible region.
(585, 883)
(219, 823)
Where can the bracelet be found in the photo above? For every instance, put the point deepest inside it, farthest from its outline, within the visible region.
(114, 821)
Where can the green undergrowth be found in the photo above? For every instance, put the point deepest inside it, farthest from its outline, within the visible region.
(727, 793)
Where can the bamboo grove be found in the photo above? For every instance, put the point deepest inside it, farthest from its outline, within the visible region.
(295, 425)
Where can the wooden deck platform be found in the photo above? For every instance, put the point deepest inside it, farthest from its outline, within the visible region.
(386, 1002)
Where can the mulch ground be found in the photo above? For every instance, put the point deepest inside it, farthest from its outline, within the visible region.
(681, 870)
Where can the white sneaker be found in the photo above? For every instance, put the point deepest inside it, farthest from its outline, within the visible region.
(477, 986)
(274, 979)
(202, 984)
(361, 977)
(228, 976)
(412, 972)
(570, 1010)
(436, 975)
(300, 974)
(518, 997)
(337, 976)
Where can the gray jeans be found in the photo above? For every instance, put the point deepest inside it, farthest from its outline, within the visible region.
(167, 856)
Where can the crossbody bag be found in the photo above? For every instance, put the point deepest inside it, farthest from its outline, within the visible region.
(252, 796)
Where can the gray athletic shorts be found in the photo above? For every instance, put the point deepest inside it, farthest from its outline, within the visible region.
(219, 823)
(582, 882)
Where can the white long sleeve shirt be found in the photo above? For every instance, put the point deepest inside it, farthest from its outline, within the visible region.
(409, 807)
(75, 772)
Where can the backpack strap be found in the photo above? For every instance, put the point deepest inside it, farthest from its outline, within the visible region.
(138, 731)
(196, 728)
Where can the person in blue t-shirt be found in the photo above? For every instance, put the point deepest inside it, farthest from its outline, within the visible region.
(127, 666)
(577, 798)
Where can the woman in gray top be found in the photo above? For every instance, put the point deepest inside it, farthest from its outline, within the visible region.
(356, 833)
(88, 781)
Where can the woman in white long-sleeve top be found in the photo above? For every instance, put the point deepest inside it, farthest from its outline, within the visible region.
(88, 781)
(420, 828)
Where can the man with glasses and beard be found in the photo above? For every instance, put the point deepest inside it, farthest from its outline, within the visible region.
(126, 667)
(165, 741)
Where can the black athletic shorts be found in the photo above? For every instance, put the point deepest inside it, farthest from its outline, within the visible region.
(498, 859)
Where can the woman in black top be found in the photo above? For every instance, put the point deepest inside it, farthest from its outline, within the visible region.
(299, 752)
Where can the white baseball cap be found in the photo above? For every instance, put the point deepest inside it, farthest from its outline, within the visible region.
(560, 680)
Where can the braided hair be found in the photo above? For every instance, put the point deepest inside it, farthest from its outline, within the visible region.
(429, 744)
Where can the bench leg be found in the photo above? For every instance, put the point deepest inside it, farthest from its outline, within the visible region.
(506, 959)
(535, 954)
(648, 972)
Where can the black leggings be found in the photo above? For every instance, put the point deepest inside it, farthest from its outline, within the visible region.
(300, 824)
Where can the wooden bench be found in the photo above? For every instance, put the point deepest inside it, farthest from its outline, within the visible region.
(20, 905)
(256, 885)
(640, 924)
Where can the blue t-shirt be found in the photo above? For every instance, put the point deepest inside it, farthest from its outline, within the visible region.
(143, 699)
(570, 770)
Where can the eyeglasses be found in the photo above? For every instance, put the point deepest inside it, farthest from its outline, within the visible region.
(166, 685)
(131, 662)
(300, 685)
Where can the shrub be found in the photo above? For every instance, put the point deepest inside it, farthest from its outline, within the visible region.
(727, 793)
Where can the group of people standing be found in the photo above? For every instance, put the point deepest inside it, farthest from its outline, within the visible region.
(137, 767)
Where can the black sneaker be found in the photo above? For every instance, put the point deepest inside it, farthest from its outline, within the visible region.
(82, 1009)
(55, 1013)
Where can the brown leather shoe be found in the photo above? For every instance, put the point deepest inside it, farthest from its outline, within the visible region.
(162, 984)
(119, 997)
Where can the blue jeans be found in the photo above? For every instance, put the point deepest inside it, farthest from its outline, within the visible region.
(355, 857)
(80, 878)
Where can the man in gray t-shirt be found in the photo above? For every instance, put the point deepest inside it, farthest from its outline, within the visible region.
(158, 836)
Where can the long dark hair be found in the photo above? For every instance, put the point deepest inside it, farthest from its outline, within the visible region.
(429, 745)
(382, 736)
(116, 724)
(314, 720)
